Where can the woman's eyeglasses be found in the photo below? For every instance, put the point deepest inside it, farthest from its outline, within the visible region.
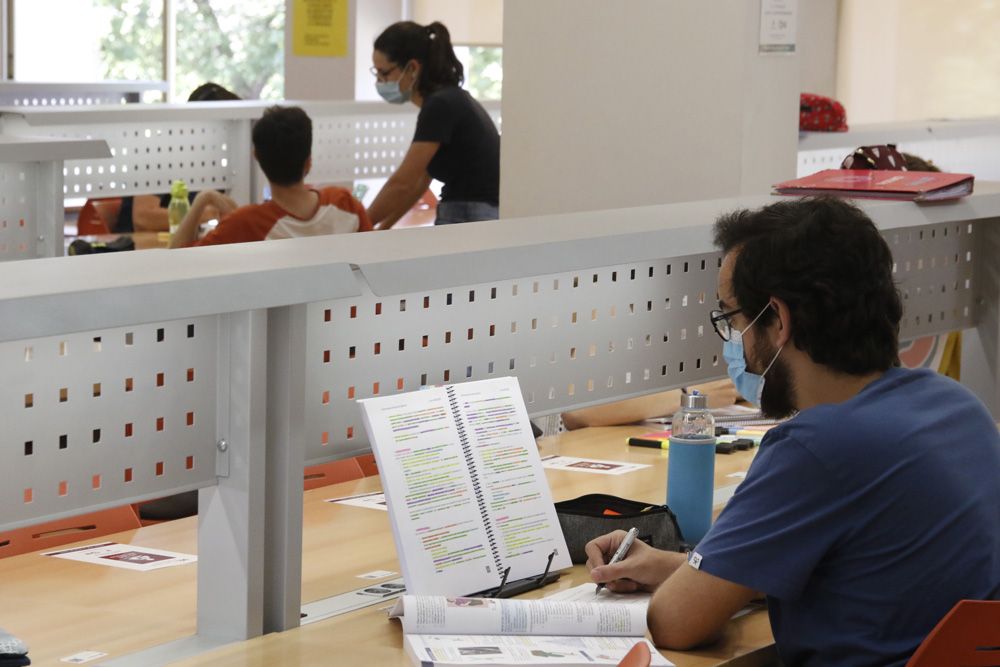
(382, 74)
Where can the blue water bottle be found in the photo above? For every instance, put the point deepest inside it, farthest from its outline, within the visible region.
(691, 467)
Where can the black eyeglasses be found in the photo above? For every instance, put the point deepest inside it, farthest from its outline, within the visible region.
(382, 74)
(721, 324)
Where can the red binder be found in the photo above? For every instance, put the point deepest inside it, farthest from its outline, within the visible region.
(875, 184)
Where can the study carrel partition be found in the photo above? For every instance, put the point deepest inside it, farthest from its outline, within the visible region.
(208, 144)
(226, 369)
(31, 202)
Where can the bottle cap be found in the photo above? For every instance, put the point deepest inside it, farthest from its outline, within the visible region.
(179, 189)
(695, 401)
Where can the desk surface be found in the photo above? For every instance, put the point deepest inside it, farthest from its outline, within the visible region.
(61, 607)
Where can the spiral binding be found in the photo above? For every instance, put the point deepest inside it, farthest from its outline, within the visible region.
(463, 440)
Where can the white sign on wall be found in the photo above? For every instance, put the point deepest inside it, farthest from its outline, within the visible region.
(777, 26)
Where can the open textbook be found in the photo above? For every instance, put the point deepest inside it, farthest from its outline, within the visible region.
(465, 489)
(564, 630)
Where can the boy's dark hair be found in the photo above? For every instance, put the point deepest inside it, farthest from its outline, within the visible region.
(211, 92)
(825, 258)
(429, 45)
(282, 140)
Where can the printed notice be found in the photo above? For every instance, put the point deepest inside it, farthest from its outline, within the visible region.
(575, 464)
(372, 501)
(777, 26)
(124, 556)
(319, 28)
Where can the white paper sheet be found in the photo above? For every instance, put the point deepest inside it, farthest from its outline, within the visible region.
(597, 466)
(112, 554)
(372, 501)
(509, 651)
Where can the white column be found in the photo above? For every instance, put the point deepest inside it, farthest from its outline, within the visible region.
(609, 104)
(346, 78)
(373, 17)
(316, 77)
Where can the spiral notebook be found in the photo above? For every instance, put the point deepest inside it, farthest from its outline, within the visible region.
(464, 485)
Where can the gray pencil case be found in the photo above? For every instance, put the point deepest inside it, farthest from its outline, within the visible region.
(584, 518)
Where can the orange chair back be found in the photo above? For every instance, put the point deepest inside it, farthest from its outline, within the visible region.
(331, 473)
(90, 222)
(638, 656)
(968, 635)
(367, 463)
(64, 531)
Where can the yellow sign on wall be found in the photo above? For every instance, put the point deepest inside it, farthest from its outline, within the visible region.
(319, 27)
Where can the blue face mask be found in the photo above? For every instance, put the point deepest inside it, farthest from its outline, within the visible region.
(390, 92)
(750, 385)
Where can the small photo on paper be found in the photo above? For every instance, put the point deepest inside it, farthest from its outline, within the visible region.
(479, 650)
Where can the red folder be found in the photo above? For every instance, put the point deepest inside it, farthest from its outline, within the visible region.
(877, 184)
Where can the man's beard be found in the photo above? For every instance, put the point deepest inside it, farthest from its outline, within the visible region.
(777, 400)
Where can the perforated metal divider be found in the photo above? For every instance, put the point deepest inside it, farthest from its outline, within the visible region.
(363, 141)
(41, 99)
(147, 157)
(934, 266)
(54, 94)
(18, 222)
(572, 339)
(957, 146)
(103, 418)
(346, 147)
(809, 162)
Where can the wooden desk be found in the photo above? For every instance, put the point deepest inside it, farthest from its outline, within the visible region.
(62, 607)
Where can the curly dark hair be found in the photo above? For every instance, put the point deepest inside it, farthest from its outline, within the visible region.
(826, 259)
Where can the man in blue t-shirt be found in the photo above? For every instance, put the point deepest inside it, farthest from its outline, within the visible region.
(871, 512)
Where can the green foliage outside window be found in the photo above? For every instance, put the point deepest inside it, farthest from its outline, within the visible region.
(238, 45)
(484, 76)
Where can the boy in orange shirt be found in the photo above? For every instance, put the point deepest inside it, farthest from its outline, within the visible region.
(282, 145)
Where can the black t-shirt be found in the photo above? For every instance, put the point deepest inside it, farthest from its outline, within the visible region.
(468, 161)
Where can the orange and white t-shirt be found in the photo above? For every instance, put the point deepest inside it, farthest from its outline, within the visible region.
(337, 213)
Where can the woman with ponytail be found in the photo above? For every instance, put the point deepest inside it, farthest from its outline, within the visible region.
(455, 140)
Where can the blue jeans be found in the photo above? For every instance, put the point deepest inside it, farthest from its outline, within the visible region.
(451, 212)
